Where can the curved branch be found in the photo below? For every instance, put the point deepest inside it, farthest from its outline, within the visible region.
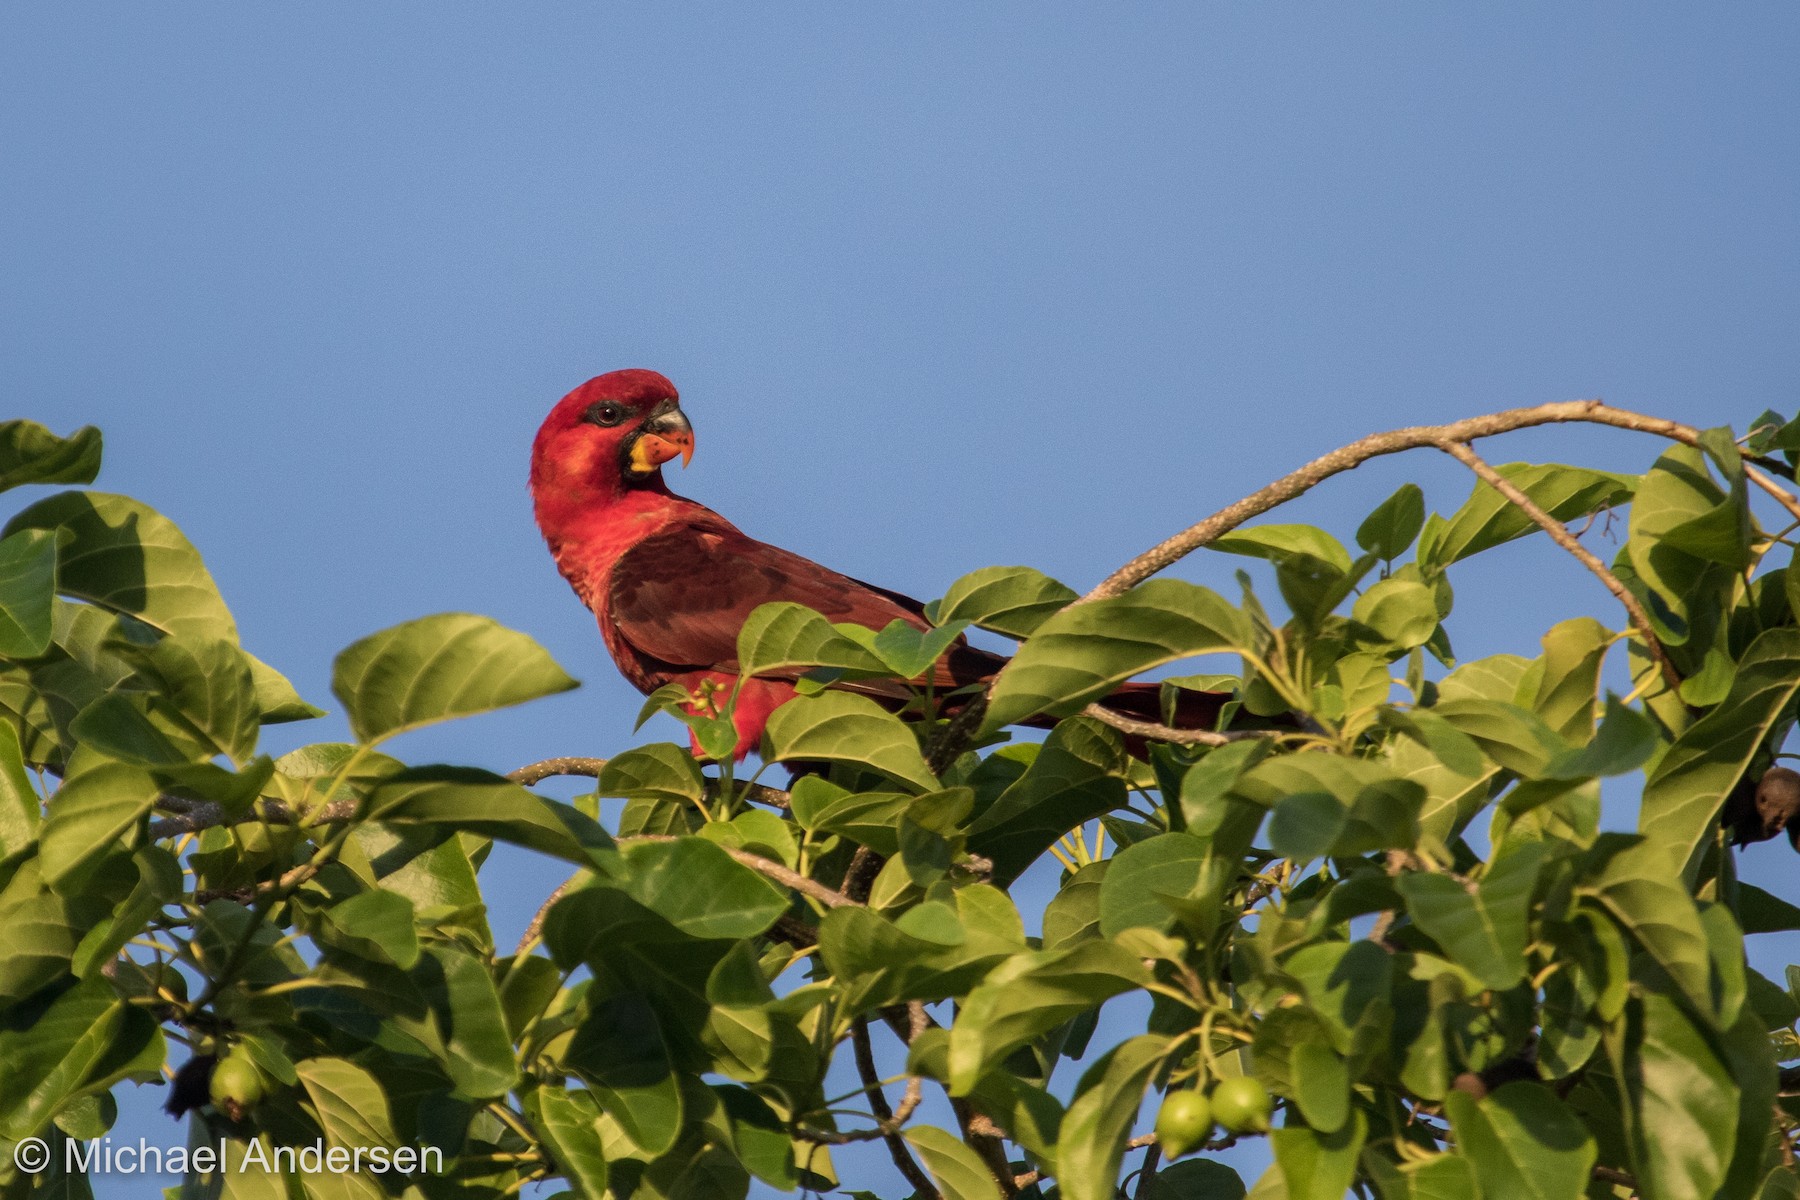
(1562, 537)
(537, 772)
(1593, 412)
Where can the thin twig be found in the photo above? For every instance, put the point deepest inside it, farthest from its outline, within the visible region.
(535, 929)
(889, 1121)
(1560, 534)
(1168, 733)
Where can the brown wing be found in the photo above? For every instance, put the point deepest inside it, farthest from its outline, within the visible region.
(681, 596)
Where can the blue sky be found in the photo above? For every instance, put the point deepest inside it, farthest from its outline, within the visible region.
(942, 287)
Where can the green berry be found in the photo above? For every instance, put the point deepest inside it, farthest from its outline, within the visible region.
(1242, 1105)
(237, 1086)
(1183, 1122)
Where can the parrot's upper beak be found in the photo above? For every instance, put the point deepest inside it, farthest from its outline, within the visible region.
(664, 436)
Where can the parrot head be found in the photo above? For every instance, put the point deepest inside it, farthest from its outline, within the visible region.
(611, 434)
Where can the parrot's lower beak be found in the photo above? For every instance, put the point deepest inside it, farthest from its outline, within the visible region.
(664, 436)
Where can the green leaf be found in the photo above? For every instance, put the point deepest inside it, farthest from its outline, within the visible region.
(276, 698)
(1524, 1142)
(1009, 600)
(1487, 519)
(957, 1170)
(27, 591)
(1321, 1083)
(786, 637)
(1684, 793)
(1082, 653)
(903, 648)
(1722, 533)
(869, 819)
(20, 808)
(1676, 494)
(38, 934)
(1624, 742)
(1574, 651)
(1762, 912)
(1030, 995)
(566, 1119)
(926, 955)
(52, 1047)
(1638, 886)
(1197, 1179)
(351, 1106)
(128, 558)
(1143, 876)
(1302, 546)
(376, 925)
(466, 1005)
(476, 801)
(1073, 914)
(1075, 777)
(1344, 983)
(1516, 738)
(210, 688)
(619, 1050)
(1098, 1123)
(1403, 614)
(660, 771)
(841, 727)
(1327, 804)
(437, 668)
(1442, 1177)
(1396, 521)
(1317, 1165)
(1683, 1101)
(700, 889)
(88, 815)
(30, 453)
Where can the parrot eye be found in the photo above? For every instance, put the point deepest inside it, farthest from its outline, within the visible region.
(606, 413)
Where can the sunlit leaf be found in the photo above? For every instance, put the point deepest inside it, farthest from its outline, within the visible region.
(437, 668)
(1084, 652)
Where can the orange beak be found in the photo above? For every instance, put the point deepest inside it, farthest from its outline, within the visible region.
(665, 436)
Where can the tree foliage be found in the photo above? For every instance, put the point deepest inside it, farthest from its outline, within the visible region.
(1379, 894)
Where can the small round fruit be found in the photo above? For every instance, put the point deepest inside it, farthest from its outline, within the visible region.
(236, 1085)
(1242, 1105)
(1183, 1122)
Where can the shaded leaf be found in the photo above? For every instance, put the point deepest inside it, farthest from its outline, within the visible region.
(27, 591)
(30, 453)
(126, 557)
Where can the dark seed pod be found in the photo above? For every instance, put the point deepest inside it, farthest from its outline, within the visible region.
(1778, 801)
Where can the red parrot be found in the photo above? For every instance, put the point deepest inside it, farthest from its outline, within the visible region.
(672, 582)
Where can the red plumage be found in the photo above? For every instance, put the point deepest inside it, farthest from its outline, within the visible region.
(672, 582)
